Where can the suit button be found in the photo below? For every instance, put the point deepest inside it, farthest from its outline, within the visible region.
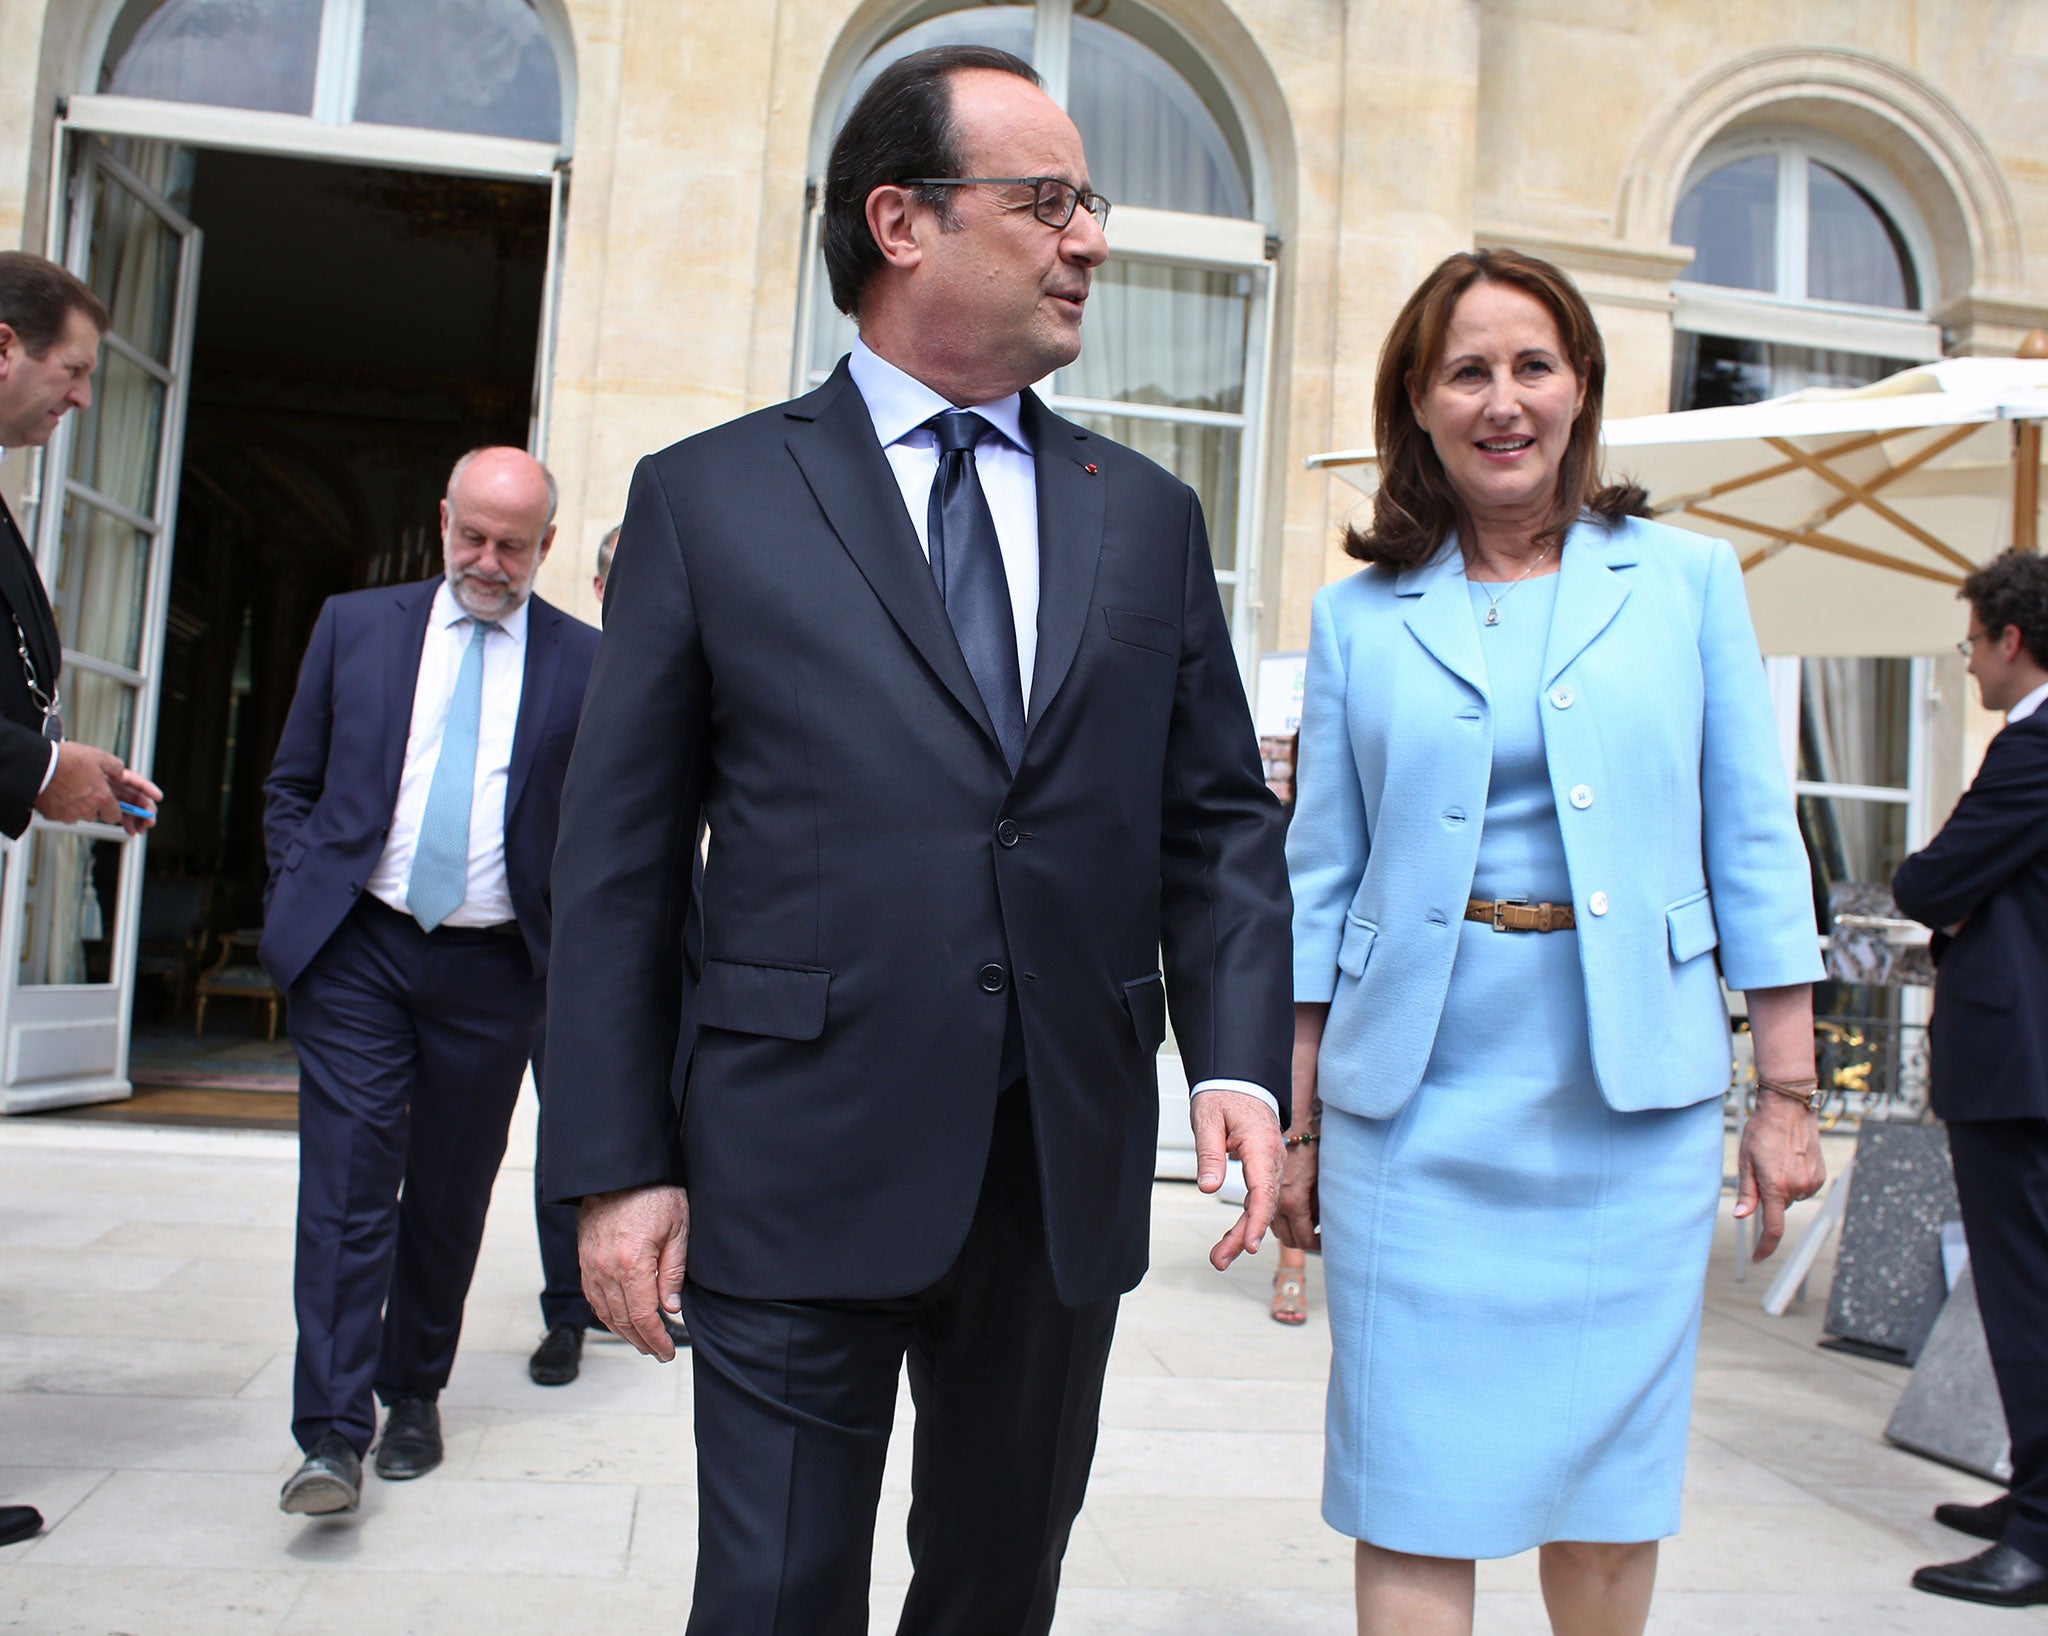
(993, 979)
(1562, 698)
(1582, 796)
(1597, 903)
(1007, 832)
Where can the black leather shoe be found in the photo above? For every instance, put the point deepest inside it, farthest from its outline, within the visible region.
(2001, 1576)
(19, 1522)
(1986, 1521)
(329, 1480)
(559, 1357)
(411, 1444)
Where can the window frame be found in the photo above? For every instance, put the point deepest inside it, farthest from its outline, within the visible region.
(1786, 315)
(330, 130)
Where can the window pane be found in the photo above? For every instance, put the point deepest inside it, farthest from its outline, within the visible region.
(1167, 335)
(133, 264)
(1853, 252)
(1854, 720)
(103, 571)
(117, 438)
(1858, 843)
(1730, 218)
(1151, 138)
(100, 711)
(237, 53)
(460, 65)
(1006, 26)
(73, 887)
(1206, 458)
(1710, 371)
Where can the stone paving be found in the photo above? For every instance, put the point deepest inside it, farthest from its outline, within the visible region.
(145, 1357)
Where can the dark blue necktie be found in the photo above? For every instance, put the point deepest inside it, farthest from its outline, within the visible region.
(967, 562)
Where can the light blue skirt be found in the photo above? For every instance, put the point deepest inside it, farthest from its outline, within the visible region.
(1514, 1274)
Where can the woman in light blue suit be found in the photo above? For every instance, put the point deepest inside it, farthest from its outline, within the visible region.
(1541, 815)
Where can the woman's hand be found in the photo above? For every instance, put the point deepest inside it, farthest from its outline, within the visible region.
(1299, 1215)
(1779, 1162)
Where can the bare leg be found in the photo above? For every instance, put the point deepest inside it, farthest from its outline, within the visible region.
(1402, 1595)
(1598, 1590)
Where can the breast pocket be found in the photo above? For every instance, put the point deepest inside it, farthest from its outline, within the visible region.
(1138, 630)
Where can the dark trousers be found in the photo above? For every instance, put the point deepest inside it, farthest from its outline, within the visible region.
(2002, 1181)
(561, 1293)
(794, 1405)
(411, 1047)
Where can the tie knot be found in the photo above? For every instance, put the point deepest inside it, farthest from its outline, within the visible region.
(958, 429)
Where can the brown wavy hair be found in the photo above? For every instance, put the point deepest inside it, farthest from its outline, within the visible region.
(1416, 507)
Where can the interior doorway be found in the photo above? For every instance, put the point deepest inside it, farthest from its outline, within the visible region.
(357, 329)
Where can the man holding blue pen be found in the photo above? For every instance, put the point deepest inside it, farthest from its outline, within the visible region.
(50, 329)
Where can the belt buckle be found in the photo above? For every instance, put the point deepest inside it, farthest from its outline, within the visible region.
(1500, 909)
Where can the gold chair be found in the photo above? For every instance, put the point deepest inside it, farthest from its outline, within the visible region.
(236, 975)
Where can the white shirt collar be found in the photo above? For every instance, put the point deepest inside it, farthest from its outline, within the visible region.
(900, 403)
(447, 611)
(2027, 706)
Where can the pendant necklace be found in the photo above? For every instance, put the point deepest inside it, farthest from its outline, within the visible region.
(1493, 602)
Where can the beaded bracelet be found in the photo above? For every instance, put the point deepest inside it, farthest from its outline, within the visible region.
(1304, 1138)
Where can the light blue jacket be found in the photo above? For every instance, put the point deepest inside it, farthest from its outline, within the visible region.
(1679, 832)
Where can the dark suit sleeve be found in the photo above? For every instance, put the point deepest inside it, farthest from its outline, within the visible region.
(622, 877)
(1999, 828)
(24, 763)
(298, 772)
(1224, 902)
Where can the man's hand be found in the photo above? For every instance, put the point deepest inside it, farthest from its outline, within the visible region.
(1230, 1124)
(631, 1246)
(1778, 1164)
(89, 785)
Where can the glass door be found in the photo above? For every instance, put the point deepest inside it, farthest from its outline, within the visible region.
(103, 535)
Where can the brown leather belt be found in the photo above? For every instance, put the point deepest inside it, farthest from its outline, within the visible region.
(1506, 915)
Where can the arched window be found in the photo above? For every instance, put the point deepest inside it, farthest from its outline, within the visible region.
(1173, 355)
(482, 67)
(1808, 270)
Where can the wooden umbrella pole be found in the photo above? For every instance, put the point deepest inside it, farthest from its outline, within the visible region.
(2026, 456)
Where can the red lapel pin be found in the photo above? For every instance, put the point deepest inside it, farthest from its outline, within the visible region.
(1090, 470)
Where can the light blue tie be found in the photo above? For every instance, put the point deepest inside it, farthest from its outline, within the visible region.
(440, 859)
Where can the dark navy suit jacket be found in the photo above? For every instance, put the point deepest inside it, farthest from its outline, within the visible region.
(1989, 1039)
(881, 892)
(24, 752)
(333, 786)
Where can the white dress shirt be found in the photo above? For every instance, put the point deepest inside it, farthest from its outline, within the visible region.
(899, 404)
(2027, 706)
(489, 899)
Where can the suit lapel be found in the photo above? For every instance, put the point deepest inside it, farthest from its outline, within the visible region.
(400, 675)
(1441, 614)
(536, 694)
(1071, 505)
(1589, 592)
(832, 439)
(22, 588)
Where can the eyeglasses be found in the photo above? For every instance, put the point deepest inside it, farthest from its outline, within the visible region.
(1052, 202)
(1965, 646)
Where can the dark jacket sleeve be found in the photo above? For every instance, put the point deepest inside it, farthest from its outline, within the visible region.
(298, 773)
(1225, 908)
(623, 870)
(24, 760)
(1999, 828)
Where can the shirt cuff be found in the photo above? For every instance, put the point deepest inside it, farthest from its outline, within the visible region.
(1243, 1085)
(50, 771)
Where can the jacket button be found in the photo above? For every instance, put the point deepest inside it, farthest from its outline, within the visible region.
(993, 979)
(1582, 796)
(1007, 832)
(1562, 698)
(1597, 903)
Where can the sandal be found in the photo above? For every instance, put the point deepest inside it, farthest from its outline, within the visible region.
(1290, 1295)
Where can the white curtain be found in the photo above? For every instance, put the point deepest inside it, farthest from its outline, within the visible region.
(1853, 729)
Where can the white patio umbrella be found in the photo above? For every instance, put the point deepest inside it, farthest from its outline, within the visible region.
(1857, 512)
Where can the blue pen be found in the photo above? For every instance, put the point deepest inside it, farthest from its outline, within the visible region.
(134, 811)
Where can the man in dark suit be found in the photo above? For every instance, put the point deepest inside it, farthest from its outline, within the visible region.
(50, 329)
(1982, 883)
(950, 679)
(410, 822)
